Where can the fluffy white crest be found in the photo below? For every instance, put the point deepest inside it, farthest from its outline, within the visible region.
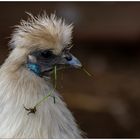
(42, 32)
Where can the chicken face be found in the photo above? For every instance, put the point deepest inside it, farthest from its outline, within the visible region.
(44, 61)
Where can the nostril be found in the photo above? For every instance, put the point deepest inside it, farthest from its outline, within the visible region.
(68, 57)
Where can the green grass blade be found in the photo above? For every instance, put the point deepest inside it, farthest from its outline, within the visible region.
(89, 74)
(45, 98)
(55, 76)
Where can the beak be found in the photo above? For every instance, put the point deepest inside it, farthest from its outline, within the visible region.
(64, 61)
(72, 61)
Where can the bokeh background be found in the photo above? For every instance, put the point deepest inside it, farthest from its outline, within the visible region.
(106, 39)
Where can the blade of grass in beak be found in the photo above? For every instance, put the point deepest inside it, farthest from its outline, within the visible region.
(49, 94)
(89, 74)
(55, 76)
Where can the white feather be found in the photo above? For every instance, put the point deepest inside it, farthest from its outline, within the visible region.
(25, 88)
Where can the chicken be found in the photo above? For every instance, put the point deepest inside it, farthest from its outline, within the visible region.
(38, 44)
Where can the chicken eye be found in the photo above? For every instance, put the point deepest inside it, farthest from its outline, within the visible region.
(68, 57)
(47, 54)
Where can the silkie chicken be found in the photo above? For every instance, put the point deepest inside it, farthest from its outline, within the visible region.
(38, 44)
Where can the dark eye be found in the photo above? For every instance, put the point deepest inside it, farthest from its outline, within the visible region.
(68, 57)
(47, 53)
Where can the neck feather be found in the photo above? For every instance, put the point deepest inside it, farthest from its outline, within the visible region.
(24, 88)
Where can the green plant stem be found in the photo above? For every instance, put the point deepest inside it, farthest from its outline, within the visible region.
(55, 77)
(45, 98)
(89, 74)
(49, 95)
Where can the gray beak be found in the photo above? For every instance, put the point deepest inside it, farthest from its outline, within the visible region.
(73, 62)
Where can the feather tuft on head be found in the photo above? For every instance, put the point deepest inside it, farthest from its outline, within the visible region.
(42, 32)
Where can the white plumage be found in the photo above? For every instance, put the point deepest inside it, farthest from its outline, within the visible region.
(20, 87)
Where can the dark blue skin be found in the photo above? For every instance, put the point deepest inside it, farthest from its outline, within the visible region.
(34, 68)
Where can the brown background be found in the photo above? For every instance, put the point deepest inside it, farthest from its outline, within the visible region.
(107, 41)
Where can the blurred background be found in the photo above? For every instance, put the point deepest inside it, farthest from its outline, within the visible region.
(106, 39)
